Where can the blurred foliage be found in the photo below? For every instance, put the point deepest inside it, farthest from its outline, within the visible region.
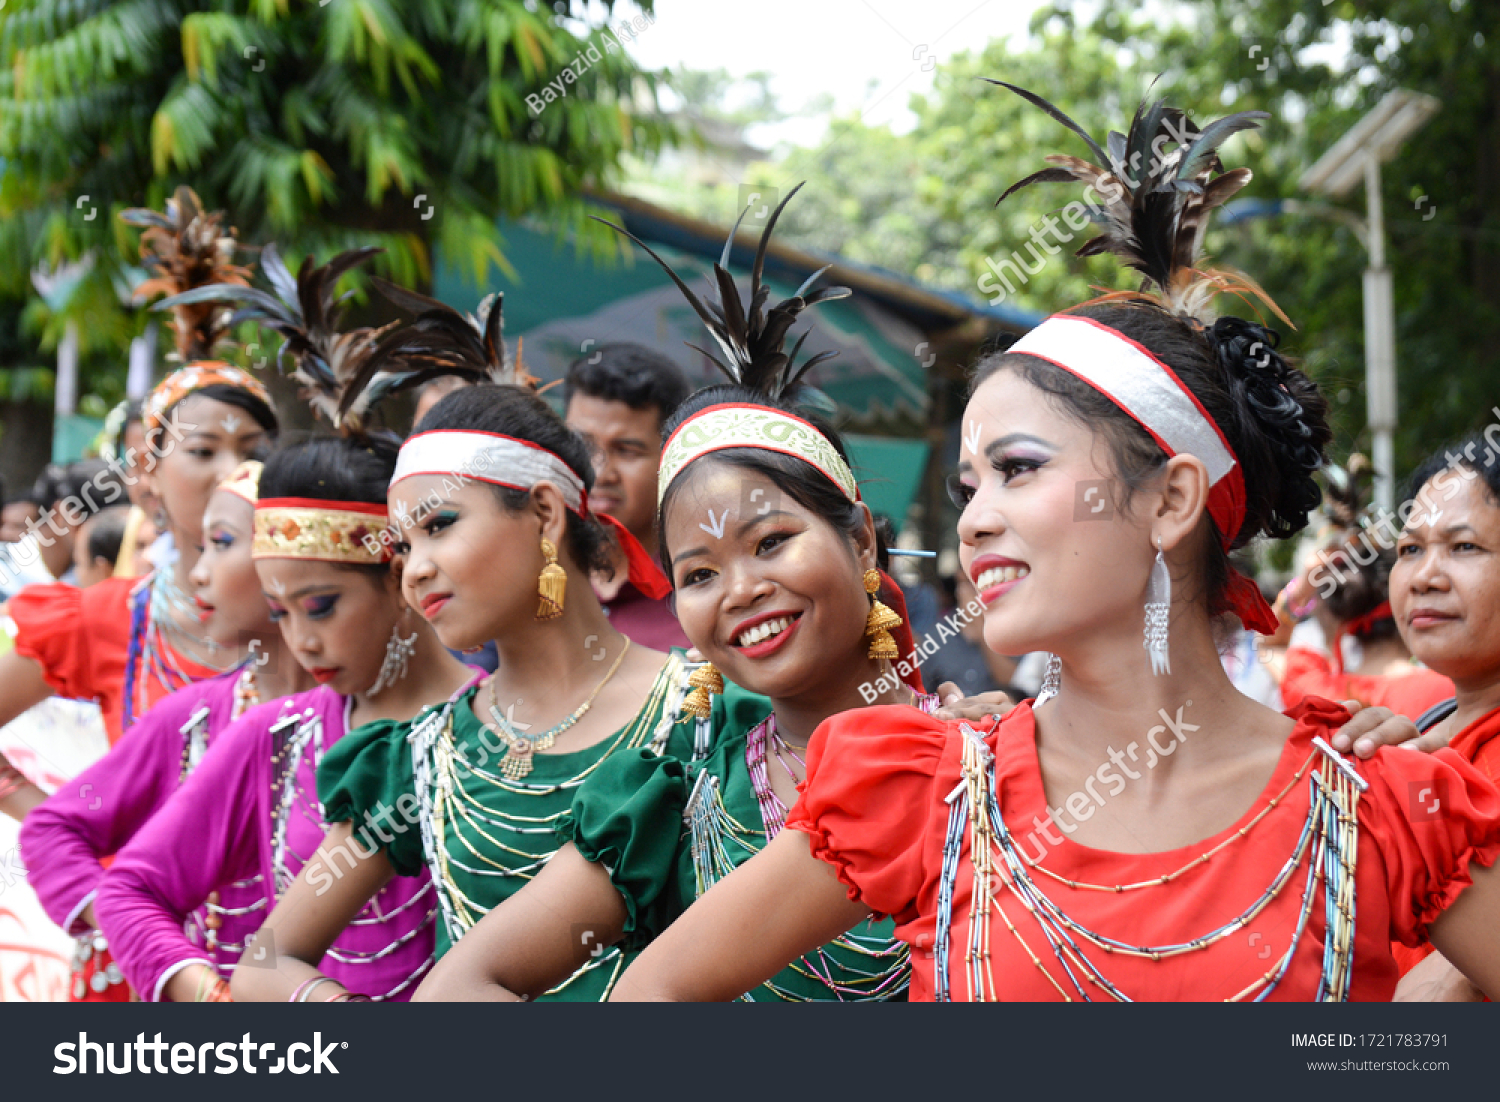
(317, 125)
(922, 203)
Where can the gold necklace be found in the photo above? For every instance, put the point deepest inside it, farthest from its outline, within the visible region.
(519, 748)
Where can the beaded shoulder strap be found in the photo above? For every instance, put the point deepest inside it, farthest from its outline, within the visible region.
(194, 741)
(307, 729)
(423, 739)
(1329, 843)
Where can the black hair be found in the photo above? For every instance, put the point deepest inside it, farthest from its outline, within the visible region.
(1273, 417)
(1361, 586)
(334, 468)
(93, 485)
(803, 482)
(45, 491)
(237, 396)
(107, 532)
(631, 373)
(520, 414)
(1474, 453)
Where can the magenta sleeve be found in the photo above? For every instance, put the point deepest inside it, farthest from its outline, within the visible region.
(100, 810)
(202, 839)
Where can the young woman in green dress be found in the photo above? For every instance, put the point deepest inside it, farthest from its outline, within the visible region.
(470, 791)
(775, 564)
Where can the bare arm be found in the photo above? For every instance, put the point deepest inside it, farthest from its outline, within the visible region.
(1435, 980)
(22, 685)
(776, 907)
(535, 939)
(1468, 932)
(326, 896)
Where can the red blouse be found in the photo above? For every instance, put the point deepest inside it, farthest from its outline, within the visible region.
(1310, 672)
(1476, 743)
(874, 807)
(81, 638)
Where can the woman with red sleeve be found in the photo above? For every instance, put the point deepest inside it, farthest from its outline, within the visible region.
(1445, 593)
(1357, 607)
(1142, 831)
(129, 642)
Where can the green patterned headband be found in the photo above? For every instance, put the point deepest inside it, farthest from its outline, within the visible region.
(735, 425)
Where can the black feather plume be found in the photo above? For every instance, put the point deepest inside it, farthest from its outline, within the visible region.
(752, 339)
(1152, 192)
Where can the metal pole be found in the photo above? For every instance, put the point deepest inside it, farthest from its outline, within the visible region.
(1380, 344)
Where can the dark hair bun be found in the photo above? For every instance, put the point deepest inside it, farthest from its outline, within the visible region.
(1283, 417)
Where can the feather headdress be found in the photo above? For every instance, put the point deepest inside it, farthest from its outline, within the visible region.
(186, 248)
(438, 341)
(329, 361)
(752, 339)
(1152, 191)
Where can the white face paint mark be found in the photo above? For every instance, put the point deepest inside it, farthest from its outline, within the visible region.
(971, 436)
(231, 422)
(279, 586)
(713, 527)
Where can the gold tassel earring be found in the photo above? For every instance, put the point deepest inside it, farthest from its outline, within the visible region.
(706, 680)
(882, 619)
(552, 585)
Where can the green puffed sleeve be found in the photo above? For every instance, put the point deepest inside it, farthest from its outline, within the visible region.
(366, 778)
(628, 816)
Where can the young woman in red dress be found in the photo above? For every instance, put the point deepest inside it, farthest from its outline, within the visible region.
(1142, 830)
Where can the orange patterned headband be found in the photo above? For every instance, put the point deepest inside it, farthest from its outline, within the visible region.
(322, 531)
(188, 380)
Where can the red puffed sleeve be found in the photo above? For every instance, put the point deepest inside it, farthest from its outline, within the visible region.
(1431, 816)
(80, 638)
(868, 800)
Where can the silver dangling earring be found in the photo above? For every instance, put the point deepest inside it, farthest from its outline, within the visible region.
(1158, 609)
(398, 652)
(1051, 681)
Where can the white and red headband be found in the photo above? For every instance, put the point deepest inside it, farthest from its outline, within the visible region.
(1129, 375)
(519, 465)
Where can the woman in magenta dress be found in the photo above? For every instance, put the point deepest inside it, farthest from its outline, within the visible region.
(97, 813)
(1143, 830)
(249, 813)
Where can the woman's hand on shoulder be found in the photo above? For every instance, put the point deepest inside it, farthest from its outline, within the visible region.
(957, 706)
(1370, 728)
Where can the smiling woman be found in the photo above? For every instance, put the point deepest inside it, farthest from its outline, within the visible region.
(1239, 837)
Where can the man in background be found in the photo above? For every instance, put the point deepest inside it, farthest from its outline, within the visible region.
(618, 399)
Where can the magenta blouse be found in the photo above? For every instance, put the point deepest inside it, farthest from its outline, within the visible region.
(247, 818)
(96, 813)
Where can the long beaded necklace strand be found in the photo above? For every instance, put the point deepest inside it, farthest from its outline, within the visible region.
(713, 830)
(194, 745)
(286, 768)
(442, 773)
(1329, 839)
(519, 748)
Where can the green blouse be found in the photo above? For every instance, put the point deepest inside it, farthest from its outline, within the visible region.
(480, 835)
(667, 827)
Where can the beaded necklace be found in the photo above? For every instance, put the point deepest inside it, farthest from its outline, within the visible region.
(720, 843)
(514, 845)
(306, 742)
(148, 653)
(1329, 841)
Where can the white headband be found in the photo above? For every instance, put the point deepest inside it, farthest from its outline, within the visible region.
(488, 457)
(1134, 380)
